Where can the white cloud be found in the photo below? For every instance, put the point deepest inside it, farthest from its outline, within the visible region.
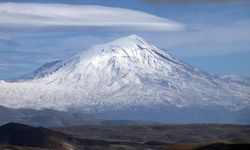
(36, 15)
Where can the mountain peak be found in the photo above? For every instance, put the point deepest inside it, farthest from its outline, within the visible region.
(128, 42)
(130, 47)
(131, 36)
(127, 51)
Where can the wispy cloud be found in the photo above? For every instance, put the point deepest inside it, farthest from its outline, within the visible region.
(45, 16)
(11, 65)
(4, 42)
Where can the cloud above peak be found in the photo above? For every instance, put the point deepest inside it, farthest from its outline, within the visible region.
(47, 16)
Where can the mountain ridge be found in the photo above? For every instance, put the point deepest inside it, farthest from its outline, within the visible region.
(126, 74)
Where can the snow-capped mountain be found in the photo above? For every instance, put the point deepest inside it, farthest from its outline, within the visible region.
(128, 76)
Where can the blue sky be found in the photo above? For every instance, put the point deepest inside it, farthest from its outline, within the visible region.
(211, 35)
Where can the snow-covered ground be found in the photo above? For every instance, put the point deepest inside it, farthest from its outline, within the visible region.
(128, 72)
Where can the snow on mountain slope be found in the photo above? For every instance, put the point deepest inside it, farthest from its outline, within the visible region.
(126, 73)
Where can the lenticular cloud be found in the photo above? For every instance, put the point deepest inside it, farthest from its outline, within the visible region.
(36, 15)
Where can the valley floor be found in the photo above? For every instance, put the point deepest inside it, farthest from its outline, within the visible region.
(14, 136)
